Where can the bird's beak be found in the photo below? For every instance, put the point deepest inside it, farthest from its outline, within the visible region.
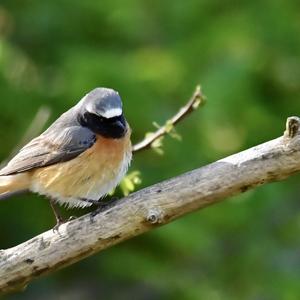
(120, 126)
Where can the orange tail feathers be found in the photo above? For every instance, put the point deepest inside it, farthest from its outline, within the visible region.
(13, 184)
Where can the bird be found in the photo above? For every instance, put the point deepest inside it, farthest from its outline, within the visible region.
(79, 159)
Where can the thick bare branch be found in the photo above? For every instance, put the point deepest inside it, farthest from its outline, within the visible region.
(196, 100)
(151, 207)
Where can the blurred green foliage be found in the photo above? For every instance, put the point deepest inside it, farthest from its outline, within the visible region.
(246, 56)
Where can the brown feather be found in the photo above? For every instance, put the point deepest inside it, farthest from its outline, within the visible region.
(14, 184)
(86, 176)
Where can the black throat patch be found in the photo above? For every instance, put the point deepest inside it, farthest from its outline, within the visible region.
(114, 128)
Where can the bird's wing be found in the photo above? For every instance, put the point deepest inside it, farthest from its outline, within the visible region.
(50, 148)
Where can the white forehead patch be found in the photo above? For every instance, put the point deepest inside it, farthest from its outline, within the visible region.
(111, 113)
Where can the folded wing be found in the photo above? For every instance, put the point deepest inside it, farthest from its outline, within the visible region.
(50, 148)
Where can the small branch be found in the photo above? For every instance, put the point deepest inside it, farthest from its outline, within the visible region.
(36, 126)
(196, 100)
(151, 207)
(292, 127)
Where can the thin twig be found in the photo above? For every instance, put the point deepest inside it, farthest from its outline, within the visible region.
(196, 100)
(36, 126)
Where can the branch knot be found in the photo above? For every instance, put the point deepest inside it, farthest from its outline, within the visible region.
(292, 127)
(155, 216)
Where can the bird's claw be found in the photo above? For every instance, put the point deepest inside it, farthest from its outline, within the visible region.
(71, 218)
(59, 222)
(102, 206)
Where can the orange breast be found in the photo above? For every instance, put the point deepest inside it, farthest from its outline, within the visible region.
(90, 175)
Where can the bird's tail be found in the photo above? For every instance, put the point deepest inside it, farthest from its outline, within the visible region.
(13, 184)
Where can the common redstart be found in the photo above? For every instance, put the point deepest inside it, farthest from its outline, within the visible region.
(80, 158)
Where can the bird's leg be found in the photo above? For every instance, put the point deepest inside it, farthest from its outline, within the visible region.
(94, 202)
(58, 217)
(101, 205)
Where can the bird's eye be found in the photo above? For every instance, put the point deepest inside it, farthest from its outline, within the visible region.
(97, 118)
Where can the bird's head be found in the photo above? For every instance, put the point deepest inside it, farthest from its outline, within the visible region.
(101, 111)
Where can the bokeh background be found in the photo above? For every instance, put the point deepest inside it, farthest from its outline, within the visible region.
(245, 54)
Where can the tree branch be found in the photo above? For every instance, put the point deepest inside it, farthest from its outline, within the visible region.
(151, 207)
(36, 126)
(196, 100)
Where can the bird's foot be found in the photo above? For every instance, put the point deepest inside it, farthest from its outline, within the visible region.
(104, 205)
(59, 222)
(71, 218)
(101, 205)
(59, 219)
